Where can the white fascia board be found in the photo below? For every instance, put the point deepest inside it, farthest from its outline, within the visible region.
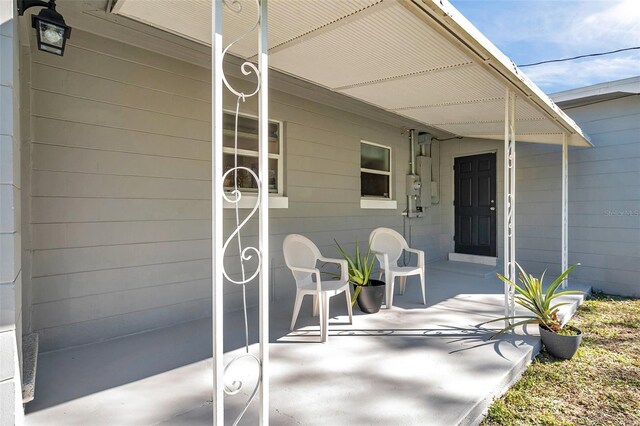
(464, 30)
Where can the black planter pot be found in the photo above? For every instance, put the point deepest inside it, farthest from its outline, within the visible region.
(558, 345)
(370, 297)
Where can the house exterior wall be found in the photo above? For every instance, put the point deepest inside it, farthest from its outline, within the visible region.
(460, 148)
(10, 221)
(604, 194)
(119, 199)
(604, 218)
(120, 190)
(120, 181)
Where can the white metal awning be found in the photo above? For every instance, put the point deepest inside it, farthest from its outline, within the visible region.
(417, 58)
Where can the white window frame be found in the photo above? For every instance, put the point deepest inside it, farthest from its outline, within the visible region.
(373, 202)
(277, 200)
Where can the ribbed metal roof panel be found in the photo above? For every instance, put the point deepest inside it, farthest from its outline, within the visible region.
(418, 59)
(541, 126)
(363, 50)
(455, 85)
(478, 111)
(287, 19)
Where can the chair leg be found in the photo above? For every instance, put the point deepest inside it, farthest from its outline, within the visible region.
(403, 284)
(324, 319)
(315, 305)
(296, 309)
(389, 278)
(349, 307)
(424, 288)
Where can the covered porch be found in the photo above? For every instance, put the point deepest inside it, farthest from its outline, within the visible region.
(412, 365)
(123, 211)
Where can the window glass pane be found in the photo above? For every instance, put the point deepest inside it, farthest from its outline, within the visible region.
(374, 157)
(245, 180)
(248, 133)
(245, 141)
(373, 185)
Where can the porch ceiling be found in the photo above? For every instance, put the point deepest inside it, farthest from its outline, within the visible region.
(416, 58)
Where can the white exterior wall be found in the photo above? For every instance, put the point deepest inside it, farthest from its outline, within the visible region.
(604, 199)
(10, 221)
(120, 210)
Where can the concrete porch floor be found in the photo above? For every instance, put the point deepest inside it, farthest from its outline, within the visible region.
(411, 365)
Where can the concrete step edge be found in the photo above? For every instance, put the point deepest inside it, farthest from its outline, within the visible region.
(475, 414)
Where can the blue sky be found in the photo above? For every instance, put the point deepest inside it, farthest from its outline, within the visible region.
(536, 30)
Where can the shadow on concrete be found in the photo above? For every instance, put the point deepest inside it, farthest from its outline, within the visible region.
(412, 364)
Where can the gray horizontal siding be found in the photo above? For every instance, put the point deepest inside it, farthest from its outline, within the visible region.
(121, 187)
(602, 180)
(120, 219)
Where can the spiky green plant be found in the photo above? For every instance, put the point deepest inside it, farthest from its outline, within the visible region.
(359, 268)
(532, 296)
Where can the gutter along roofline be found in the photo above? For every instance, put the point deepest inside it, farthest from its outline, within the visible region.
(458, 27)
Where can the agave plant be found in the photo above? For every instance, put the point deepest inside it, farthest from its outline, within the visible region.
(532, 296)
(359, 268)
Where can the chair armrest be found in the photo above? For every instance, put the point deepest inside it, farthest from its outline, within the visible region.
(331, 260)
(420, 255)
(344, 266)
(301, 269)
(314, 271)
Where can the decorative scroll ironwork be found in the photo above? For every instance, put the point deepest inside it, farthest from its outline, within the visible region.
(245, 254)
(509, 201)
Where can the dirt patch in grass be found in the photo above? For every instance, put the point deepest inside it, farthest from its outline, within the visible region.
(599, 386)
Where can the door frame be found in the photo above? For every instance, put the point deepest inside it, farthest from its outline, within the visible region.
(452, 216)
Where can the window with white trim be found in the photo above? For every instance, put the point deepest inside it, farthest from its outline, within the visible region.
(248, 152)
(375, 170)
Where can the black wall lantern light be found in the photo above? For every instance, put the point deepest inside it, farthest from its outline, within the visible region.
(51, 30)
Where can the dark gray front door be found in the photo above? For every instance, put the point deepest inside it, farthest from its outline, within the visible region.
(475, 204)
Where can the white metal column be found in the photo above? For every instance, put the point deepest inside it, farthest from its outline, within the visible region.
(263, 153)
(217, 235)
(565, 206)
(247, 255)
(509, 208)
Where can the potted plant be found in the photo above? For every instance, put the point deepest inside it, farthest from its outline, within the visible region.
(367, 292)
(561, 341)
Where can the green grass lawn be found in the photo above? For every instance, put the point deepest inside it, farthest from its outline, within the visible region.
(599, 386)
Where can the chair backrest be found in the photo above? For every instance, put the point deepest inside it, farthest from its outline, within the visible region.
(387, 241)
(299, 251)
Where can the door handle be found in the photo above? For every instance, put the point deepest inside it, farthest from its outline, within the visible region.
(492, 208)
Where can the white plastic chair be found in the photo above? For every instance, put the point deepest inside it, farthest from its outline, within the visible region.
(388, 246)
(301, 256)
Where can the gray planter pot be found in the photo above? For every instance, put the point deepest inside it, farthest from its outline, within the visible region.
(370, 297)
(558, 345)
